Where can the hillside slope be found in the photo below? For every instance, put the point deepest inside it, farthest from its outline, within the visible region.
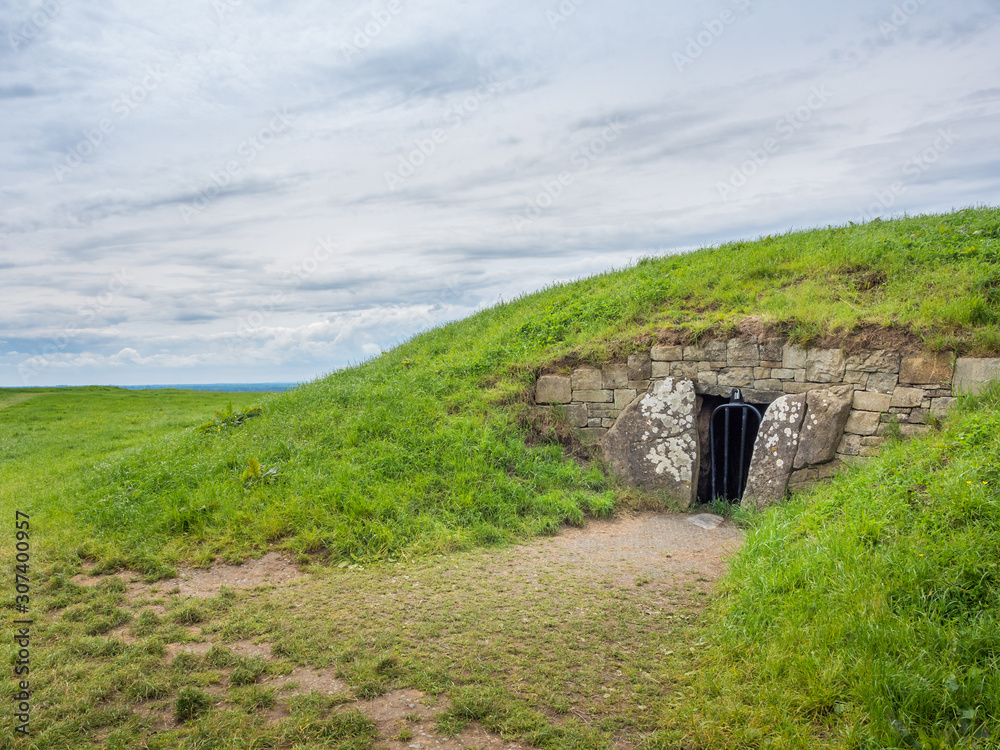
(423, 447)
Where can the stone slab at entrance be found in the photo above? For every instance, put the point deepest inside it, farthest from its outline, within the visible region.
(654, 442)
(774, 451)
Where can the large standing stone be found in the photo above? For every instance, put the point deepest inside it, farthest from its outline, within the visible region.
(972, 374)
(827, 412)
(825, 365)
(774, 451)
(553, 389)
(654, 442)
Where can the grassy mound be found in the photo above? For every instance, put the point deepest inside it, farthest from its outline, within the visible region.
(869, 609)
(423, 448)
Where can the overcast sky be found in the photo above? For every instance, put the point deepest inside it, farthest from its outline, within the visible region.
(251, 190)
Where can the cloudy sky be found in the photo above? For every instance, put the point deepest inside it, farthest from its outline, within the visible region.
(251, 190)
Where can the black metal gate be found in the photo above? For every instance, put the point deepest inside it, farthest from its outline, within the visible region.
(732, 432)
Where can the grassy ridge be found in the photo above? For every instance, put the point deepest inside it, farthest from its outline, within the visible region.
(421, 448)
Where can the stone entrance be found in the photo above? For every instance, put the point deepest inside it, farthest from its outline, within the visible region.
(661, 441)
(824, 408)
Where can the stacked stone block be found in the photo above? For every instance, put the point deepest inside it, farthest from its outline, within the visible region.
(891, 391)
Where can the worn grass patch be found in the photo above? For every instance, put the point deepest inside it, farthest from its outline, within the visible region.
(598, 664)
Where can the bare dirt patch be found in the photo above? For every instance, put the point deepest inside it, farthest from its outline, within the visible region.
(406, 722)
(655, 547)
(273, 569)
(203, 583)
(306, 680)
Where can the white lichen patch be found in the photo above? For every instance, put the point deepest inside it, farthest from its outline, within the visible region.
(673, 457)
(671, 403)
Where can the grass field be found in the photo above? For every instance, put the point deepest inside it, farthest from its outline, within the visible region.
(863, 615)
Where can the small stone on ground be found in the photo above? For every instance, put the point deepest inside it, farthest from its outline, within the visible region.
(707, 521)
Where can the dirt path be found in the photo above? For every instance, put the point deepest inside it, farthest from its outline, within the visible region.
(647, 554)
(656, 546)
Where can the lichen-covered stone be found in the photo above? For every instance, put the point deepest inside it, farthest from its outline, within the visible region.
(553, 389)
(654, 442)
(774, 451)
(827, 413)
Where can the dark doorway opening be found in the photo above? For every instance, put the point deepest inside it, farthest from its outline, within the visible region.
(729, 430)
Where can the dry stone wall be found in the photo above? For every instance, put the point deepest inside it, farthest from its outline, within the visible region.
(887, 391)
